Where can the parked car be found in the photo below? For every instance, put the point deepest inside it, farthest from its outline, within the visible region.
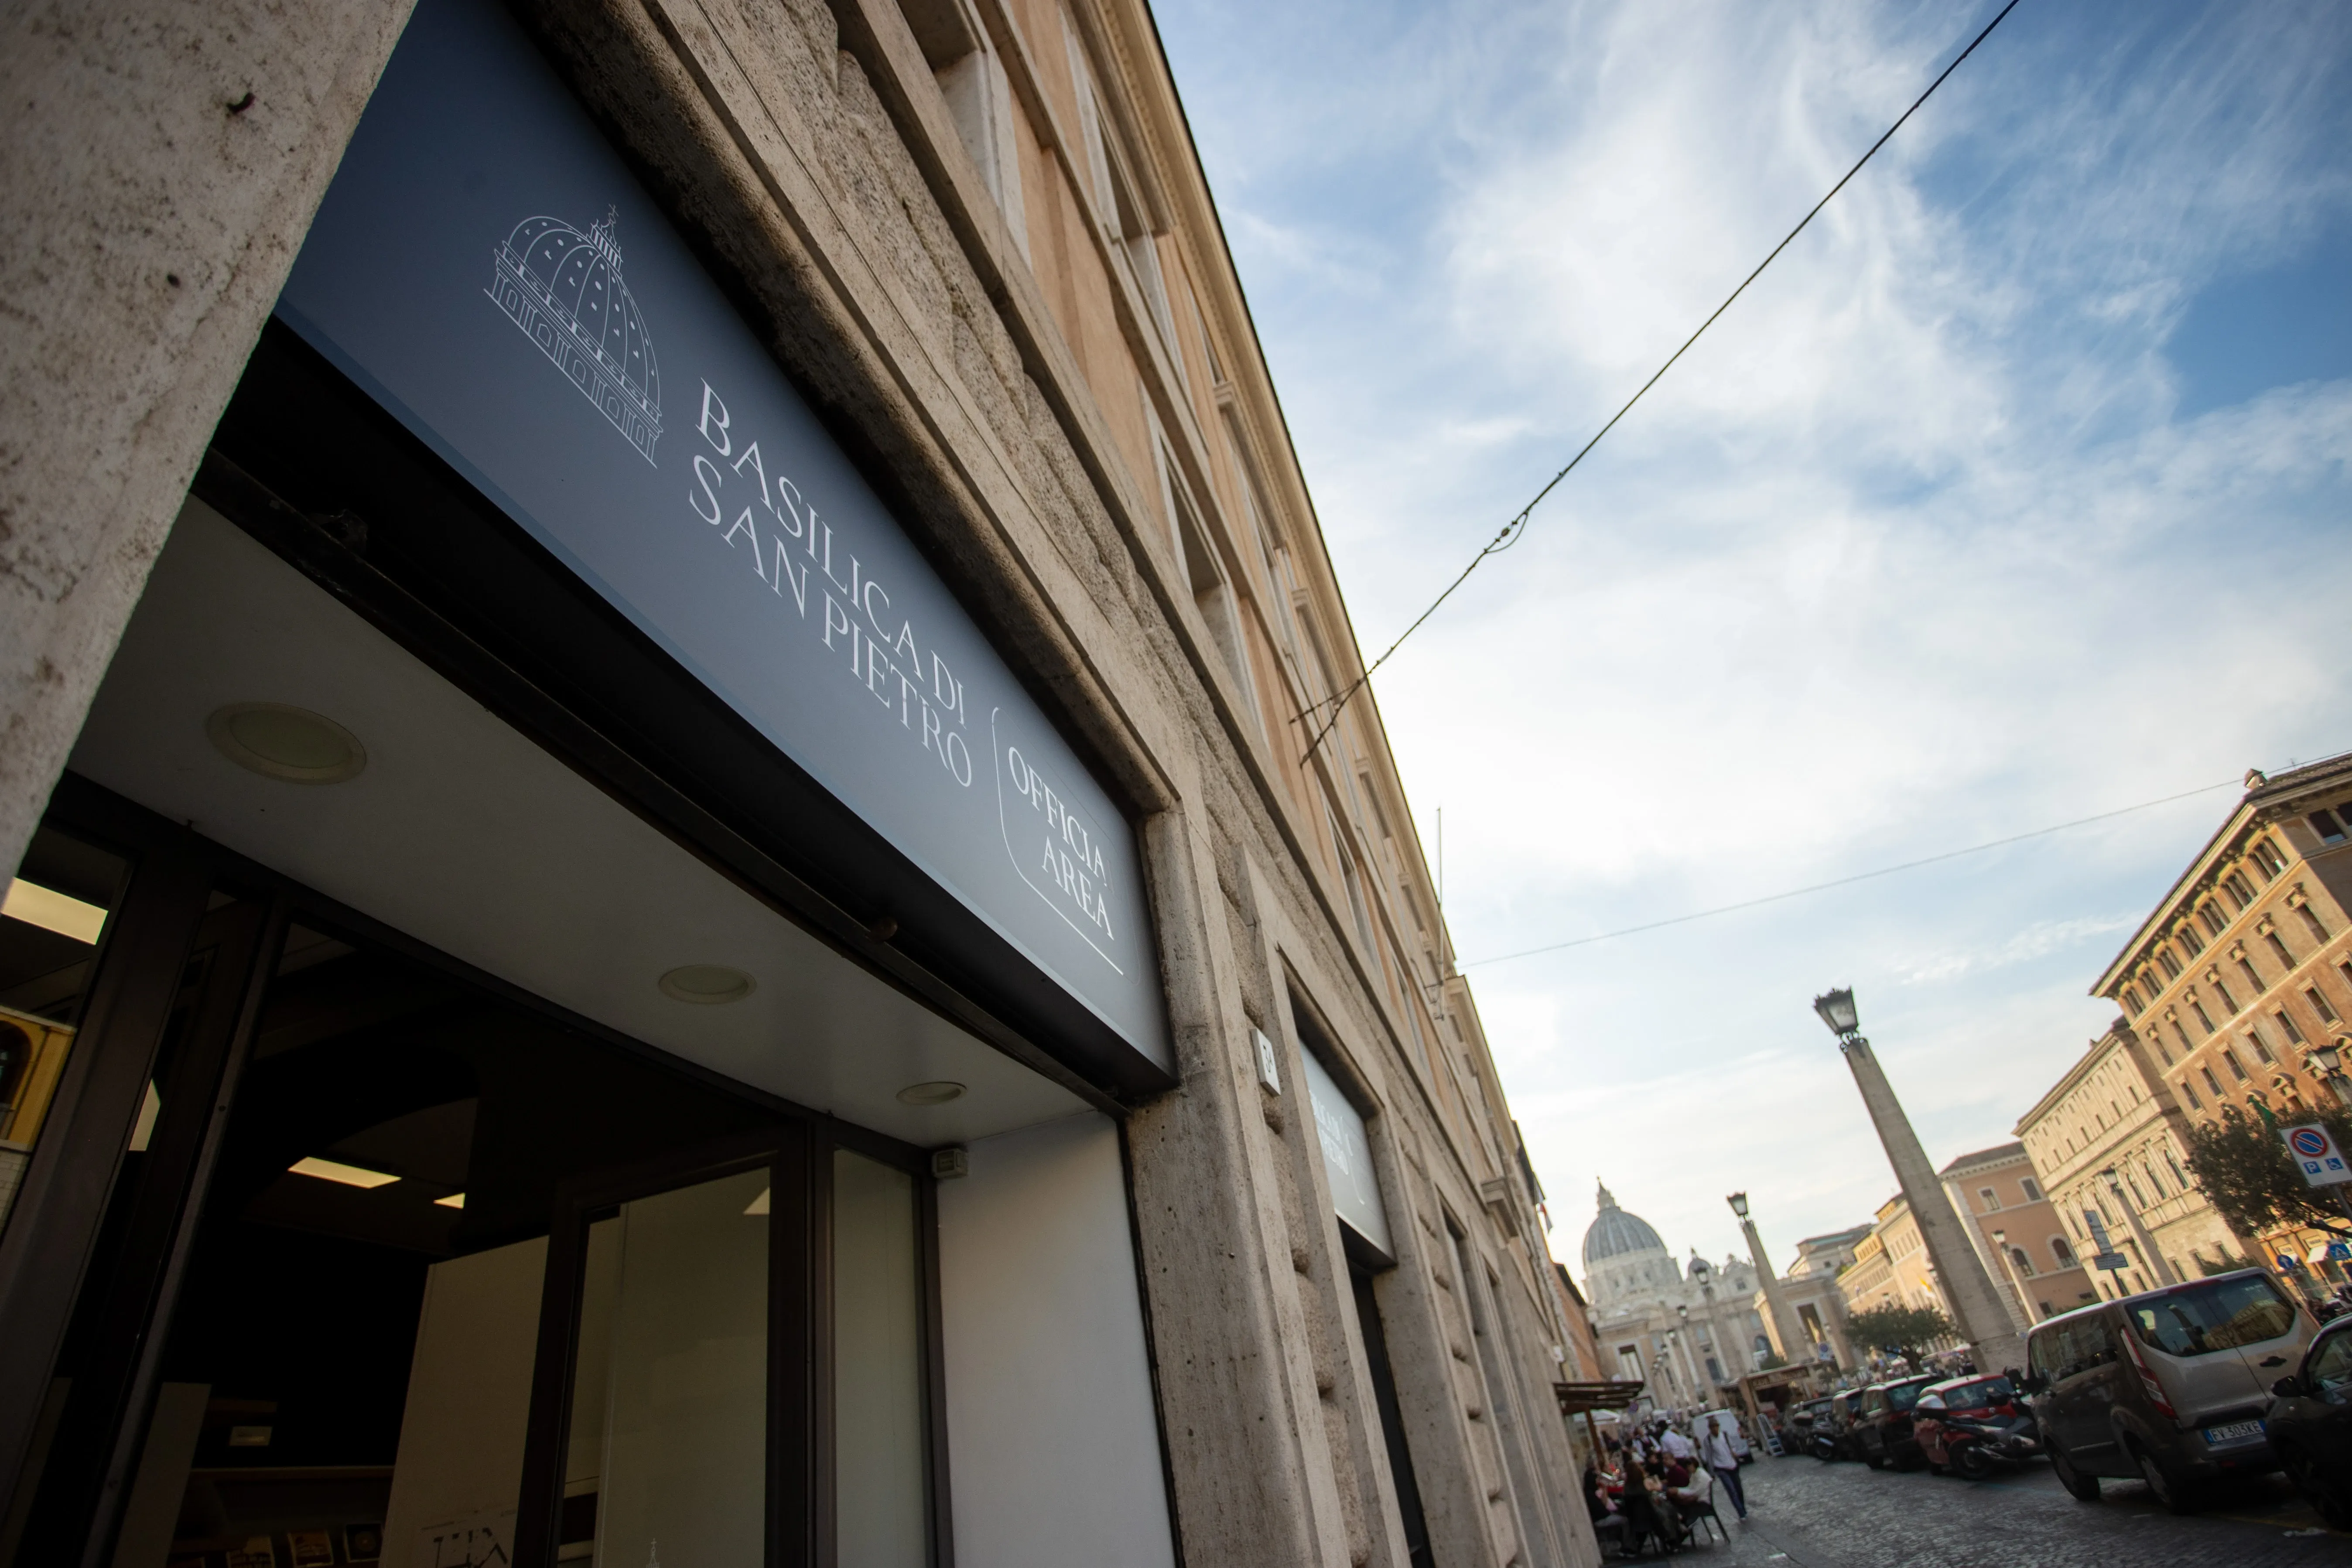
(2170, 1386)
(1973, 1426)
(2310, 1424)
(1882, 1425)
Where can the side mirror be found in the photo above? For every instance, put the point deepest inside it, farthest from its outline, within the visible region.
(2288, 1387)
(2037, 1384)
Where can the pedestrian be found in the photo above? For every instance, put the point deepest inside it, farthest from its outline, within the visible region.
(1716, 1449)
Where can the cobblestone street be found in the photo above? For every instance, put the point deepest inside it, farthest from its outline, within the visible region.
(1805, 1514)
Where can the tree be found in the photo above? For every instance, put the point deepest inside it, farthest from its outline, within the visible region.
(2250, 1179)
(1906, 1332)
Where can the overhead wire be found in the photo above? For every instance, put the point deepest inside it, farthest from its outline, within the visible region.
(1845, 881)
(1514, 529)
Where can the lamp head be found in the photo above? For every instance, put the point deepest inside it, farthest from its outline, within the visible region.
(2000, 1238)
(2330, 1056)
(1837, 1010)
(1739, 1202)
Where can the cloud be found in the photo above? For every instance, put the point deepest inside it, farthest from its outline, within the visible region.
(1914, 550)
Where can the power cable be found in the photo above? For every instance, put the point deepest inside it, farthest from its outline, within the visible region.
(1514, 529)
(1845, 881)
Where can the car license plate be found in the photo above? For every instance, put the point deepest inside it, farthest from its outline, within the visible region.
(2235, 1432)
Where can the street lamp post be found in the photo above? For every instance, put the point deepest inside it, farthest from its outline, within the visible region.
(1993, 1342)
(2328, 1062)
(2156, 1259)
(1705, 1274)
(1787, 1337)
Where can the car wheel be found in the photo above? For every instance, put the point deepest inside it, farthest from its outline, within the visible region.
(2172, 1493)
(2335, 1508)
(1969, 1462)
(2082, 1488)
(1875, 1461)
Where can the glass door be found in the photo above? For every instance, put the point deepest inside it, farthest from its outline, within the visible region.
(734, 1367)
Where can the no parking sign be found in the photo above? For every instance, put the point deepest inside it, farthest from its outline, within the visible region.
(2316, 1155)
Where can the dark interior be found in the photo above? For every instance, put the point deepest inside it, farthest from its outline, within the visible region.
(297, 1319)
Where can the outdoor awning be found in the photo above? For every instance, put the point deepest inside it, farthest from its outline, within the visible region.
(1575, 1397)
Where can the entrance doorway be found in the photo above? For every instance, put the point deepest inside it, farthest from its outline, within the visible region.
(456, 1279)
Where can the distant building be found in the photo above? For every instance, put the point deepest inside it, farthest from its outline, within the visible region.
(1890, 1269)
(2244, 967)
(1825, 1256)
(1686, 1330)
(2017, 1231)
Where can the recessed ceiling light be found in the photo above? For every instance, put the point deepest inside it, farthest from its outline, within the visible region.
(454, 1201)
(707, 984)
(332, 1171)
(938, 1093)
(293, 744)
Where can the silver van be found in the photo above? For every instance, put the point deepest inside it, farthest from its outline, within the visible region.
(2168, 1388)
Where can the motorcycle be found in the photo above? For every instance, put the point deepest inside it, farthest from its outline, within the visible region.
(1977, 1448)
(1826, 1447)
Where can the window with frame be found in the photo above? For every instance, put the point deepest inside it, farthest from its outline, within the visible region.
(2032, 1189)
(2187, 936)
(2245, 967)
(2266, 859)
(1212, 595)
(2240, 891)
(2319, 1004)
(2222, 989)
(2210, 1081)
(2169, 964)
(2212, 917)
(1118, 199)
(1989, 1198)
(2311, 919)
(2328, 825)
(2131, 1002)
(2278, 948)
(2285, 1020)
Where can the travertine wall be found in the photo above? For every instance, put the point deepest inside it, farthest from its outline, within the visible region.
(1014, 399)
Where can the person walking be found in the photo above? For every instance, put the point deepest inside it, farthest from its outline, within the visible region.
(1716, 1449)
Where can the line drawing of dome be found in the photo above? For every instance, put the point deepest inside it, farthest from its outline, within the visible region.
(563, 288)
(1614, 1233)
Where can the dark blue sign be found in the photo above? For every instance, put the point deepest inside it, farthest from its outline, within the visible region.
(486, 268)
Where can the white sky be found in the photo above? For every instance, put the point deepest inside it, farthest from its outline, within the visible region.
(2016, 492)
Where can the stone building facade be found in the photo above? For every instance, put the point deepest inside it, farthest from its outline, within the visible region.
(2115, 1110)
(1154, 1202)
(2017, 1232)
(2244, 967)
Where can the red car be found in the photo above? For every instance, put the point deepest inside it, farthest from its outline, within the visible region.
(1968, 1425)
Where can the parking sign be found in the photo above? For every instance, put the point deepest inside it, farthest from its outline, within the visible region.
(2316, 1155)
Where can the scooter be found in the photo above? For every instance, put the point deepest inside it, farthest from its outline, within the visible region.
(1976, 1446)
(1827, 1446)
